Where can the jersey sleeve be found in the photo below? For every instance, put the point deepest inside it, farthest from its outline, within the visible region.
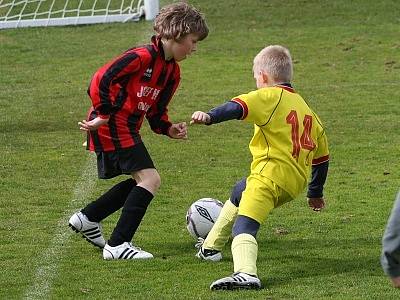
(322, 153)
(110, 77)
(228, 111)
(257, 106)
(318, 178)
(157, 115)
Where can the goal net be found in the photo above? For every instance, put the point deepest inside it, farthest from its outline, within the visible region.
(35, 13)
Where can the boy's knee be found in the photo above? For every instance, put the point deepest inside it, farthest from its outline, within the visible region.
(245, 224)
(148, 179)
(157, 180)
(152, 181)
(237, 191)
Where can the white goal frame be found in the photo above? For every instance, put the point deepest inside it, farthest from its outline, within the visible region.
(14, 14)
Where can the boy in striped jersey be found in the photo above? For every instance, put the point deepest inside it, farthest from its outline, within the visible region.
(288, 145)
(136, 85)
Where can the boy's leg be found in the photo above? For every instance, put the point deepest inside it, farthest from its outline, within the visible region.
(221, 231)
(135, 206)
(258, 199)
(119, 245)
(109, 202)
(139, 164)
(244, 246)
(87, 220)
(132, 214)
(244, 252)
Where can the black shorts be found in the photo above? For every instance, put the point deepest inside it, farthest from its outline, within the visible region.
(123, 161)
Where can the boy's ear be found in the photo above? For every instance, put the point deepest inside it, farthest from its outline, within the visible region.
(265, 77)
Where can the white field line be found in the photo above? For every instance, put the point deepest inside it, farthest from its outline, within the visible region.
(47, 262)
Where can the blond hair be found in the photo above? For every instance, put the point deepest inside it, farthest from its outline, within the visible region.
(275, 60)
(177, 20)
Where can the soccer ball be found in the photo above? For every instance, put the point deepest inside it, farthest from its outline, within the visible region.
(201, 216)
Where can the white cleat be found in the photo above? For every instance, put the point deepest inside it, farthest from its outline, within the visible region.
(207, 254)
(91, 231)
(125, 251)
(211, 255)
(237, 281)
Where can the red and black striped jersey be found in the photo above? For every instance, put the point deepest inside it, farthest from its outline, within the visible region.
(139, 83)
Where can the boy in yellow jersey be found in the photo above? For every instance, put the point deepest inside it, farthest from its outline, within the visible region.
(289, 146)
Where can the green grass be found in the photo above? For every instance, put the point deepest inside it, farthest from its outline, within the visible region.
(347, 65)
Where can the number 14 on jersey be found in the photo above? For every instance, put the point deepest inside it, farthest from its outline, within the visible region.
(304, 141)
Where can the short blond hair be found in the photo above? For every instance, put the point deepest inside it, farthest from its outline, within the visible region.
(177, 20)
(276, 61)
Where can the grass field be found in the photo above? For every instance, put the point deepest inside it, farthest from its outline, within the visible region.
(347, 66)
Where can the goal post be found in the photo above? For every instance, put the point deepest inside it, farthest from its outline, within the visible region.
(42, 13)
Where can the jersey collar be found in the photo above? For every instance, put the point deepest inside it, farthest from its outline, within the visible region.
(157, 44)
(286, 86)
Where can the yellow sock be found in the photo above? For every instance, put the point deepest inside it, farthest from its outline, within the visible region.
(222, 229)
(244, 252)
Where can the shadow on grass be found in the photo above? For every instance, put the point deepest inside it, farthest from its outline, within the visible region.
(282, 261)
(294, 259)
(38, 126)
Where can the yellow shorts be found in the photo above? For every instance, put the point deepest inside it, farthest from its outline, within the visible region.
(260, 197)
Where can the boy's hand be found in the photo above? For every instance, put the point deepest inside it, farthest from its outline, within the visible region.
(92, 125)
(396, 281)
(200, 117)
(316, 203)
(178, 131)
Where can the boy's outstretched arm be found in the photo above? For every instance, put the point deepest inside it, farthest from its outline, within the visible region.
(227, 111)
(199, 117)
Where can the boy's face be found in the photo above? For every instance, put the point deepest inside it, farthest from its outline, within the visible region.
(181, 49)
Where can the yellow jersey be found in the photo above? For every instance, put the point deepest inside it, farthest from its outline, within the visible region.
(288, 136)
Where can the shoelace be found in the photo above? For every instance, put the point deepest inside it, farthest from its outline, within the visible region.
(200, 242)
(135, 247)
